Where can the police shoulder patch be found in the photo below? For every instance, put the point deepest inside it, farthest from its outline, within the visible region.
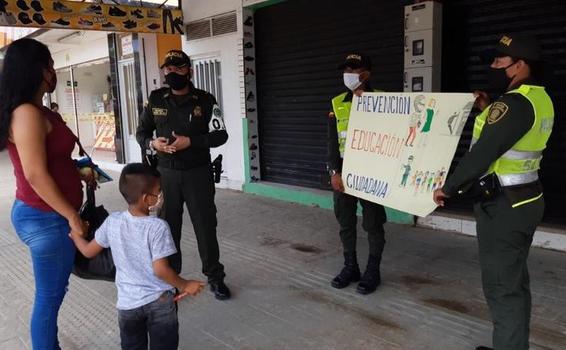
(496, 112)
(216, 119)
(217, 111)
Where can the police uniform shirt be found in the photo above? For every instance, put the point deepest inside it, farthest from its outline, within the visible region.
(504, 127)
(196, 115)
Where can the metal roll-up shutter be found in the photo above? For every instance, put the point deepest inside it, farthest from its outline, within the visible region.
(299, 45)
(300, 42)
(471, 26)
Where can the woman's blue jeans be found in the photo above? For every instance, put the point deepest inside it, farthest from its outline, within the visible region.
(52, 254)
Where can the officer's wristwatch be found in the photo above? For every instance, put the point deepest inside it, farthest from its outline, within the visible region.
(332, 172)
(151, 145)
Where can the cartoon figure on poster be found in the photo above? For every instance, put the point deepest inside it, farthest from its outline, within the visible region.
(439, 180)
(457, 121)
(419, 179)
(406, 171)
(431, 111)
(414, 121)
(423, 181)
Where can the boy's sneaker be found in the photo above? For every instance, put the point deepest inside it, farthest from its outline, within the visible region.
(220, 290)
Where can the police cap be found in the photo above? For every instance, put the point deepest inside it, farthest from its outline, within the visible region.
(356, 60)
(519, 46)
(176, 58)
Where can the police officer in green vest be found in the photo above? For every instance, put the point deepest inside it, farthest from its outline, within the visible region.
(356, 69)
(501, 169)
(187, 122)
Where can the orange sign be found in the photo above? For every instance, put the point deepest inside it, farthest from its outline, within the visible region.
(89, 16)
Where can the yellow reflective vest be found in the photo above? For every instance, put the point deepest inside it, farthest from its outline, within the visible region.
(520, 164)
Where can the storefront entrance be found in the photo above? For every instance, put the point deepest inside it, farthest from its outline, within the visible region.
(85, 102)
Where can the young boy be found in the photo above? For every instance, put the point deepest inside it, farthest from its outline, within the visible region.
(140, 246)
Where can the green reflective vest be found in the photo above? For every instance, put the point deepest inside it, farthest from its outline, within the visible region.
(521, 163)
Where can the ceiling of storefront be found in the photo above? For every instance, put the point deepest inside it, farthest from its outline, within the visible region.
(62, 39)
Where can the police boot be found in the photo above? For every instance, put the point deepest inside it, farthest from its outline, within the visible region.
(372, 277)
(350, 272)
(220, 290)
(483, 348)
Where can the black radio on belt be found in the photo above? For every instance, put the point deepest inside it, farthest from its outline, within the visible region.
(217, 168)
(485, 188)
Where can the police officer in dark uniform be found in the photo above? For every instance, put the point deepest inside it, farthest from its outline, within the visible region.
(509, 137)
(356, 73)
(187, 123)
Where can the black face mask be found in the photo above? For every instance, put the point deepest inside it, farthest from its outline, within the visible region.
(498, 78)
(176, 81)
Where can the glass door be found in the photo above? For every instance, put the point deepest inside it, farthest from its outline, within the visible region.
(127, 79)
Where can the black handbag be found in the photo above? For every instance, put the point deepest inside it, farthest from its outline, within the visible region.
(101, 267)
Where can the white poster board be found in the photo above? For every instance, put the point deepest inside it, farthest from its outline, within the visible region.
(400, 145)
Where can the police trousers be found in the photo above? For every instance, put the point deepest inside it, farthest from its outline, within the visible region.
(195, 189)
(373, 218)
(505, 235)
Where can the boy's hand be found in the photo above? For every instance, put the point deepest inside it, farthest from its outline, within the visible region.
(79, 232)
(88, 249)
(192, 287)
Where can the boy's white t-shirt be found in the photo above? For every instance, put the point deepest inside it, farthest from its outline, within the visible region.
(136, 242)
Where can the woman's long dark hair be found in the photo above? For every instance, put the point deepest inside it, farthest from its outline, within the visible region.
(21, 78)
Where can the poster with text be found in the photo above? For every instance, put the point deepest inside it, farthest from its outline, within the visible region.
(400, 145)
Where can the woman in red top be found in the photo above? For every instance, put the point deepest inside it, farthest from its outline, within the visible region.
(49, 190)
